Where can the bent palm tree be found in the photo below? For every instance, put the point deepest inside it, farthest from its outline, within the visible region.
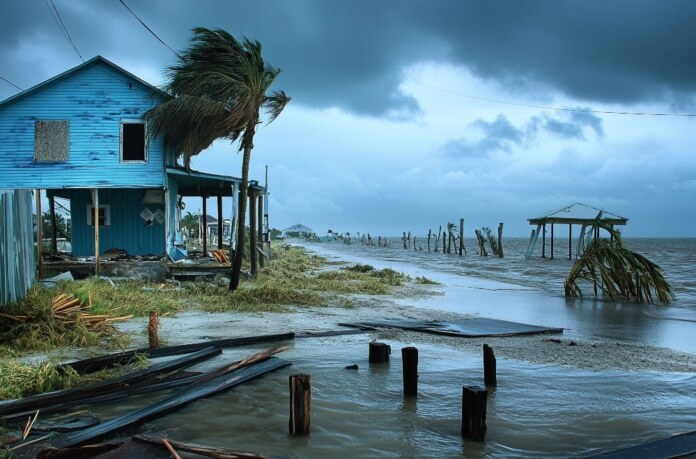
(622, 275)
(219, 87)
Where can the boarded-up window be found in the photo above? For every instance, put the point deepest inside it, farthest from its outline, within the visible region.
(52, 140)
(133, 141)
(104, 215)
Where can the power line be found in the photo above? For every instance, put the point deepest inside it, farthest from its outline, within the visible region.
(61, 26)
(564, 109)
(148, 29)
(11, 83)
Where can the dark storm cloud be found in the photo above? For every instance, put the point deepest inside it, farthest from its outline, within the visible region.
(501, 135)
(352, 54)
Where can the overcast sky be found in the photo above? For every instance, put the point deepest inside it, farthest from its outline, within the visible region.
(409, 114)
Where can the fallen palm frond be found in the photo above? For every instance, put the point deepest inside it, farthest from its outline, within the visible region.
(620, 274)
(70, 310)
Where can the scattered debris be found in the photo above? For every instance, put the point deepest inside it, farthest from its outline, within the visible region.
(553, 340)
(201, 450)
(352, 367)
(468, 328)
(220, 256)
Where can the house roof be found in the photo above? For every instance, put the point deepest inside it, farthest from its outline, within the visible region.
(93, 61)
(298, 228)
(578, 214)
(194, 183)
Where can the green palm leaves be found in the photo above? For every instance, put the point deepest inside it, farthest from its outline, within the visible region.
(620, 274)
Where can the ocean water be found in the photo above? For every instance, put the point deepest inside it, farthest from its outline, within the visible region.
(531, 290)
(536, 410)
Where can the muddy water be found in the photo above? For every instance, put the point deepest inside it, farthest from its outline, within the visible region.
(537, 411)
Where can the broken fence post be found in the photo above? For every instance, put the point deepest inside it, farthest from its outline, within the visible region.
(409, 357)
(300, 398)
(489, 366)
(379, 352)
(474, 400)
(152, 338)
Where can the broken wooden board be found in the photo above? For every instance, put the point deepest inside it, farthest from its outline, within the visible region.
(106, 361)
(202, 450)
(469, 328)
(34, 402)
(680, 445)
(195, 392)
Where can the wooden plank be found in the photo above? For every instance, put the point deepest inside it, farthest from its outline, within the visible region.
(196, 391)
(62, 396)
(106, 361)
(680, 445)
(202, 450)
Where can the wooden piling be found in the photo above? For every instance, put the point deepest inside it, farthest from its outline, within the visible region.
(409, 357)
(500, 240)
(253, 265)
(39, 235)
(403, 238)
(489, 366)
(152, 338)
(300, 403)
(570, 241)
(260, 235)
(444, 242)
(474, 400)
(552, 241)
(461, 236)
(379, 352)
(204, 226)
(54, 229)
(430, 232)
(220, 221)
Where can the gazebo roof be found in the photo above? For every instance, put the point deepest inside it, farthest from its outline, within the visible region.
(298, 228)
(580, 214)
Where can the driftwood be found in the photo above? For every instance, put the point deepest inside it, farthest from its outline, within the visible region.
(218, 453)
(107, 361)
(31, 404)
(259, 364)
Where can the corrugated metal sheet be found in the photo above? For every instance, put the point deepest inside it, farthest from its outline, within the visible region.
(94, 100)
(17, 258)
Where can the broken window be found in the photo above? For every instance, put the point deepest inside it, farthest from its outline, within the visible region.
(51, 140)
(104, 215)
(133, 147)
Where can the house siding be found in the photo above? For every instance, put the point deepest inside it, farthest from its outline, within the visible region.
(94, 99)
(17, 258)
(127, 230)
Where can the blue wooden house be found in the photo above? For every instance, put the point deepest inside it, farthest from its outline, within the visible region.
(81, 136)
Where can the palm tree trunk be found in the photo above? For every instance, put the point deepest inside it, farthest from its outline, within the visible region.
(241, 220)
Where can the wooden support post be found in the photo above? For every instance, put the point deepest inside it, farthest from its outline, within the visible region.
(54, 228)
(570, 241)
(300, 403)
(152, 338)
(220, 221)
(489, 366)
(500, 240)
(474, 400)
(260, 230)
(403, 238)
(95, 202)
(552, 241)
(461, 236)
(543, 242)
(430, 233)
(379, 352)
(409, 239)
(39, 234)
(409, 357)
(444, 242)
(204, 225)
(252, 231)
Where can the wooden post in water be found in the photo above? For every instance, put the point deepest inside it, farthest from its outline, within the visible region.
(252, 231)
(461, 236)
(570, 241)
(489, 366)
(403, 238)
(552, 241)
(500, 240)
(409, 357)
(152, 338)
(300, 403)
(379, 352)
(429, 235)
(444, 242)
(409, 239)
(543, 242)
(474, 400)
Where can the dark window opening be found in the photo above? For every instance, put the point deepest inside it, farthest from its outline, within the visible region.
(133, 142)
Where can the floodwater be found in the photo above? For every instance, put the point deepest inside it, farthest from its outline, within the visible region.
(536, 410)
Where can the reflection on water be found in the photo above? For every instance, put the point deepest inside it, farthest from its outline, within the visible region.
(522, 290)
(536, 411)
